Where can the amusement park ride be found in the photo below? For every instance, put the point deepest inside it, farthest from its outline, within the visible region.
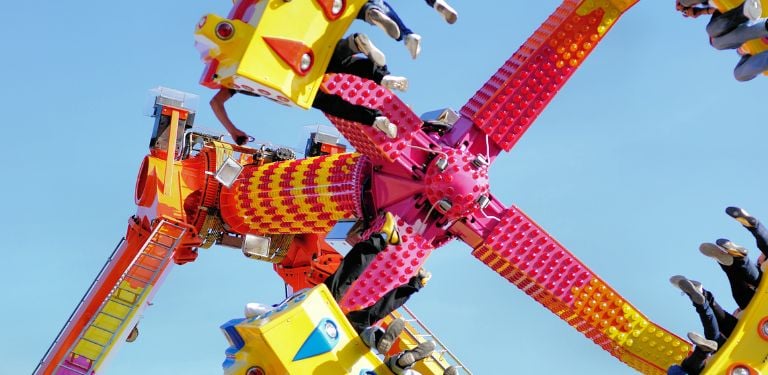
(194, 190)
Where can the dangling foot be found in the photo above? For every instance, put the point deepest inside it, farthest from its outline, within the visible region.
(741, 216)
(255, 309)
(423, 276)
(382, 123)
(692, 289)
(376, 17)
(389, 229)
(369, 336)
(133, 335)
(718, 253)
(445, 10)
(364, 45)
(395, 83)
(407, 358)
(391, 334)
(733, 249)
(753, 9)
(413, 44)
(700, 341)
(452, 370)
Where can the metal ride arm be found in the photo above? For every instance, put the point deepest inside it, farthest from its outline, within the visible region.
(431, 172)
(113, 304)
(521, 251)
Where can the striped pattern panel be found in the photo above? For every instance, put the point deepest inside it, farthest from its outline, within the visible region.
(295, 196)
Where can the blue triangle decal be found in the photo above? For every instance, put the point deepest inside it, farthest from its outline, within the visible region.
(322, 340)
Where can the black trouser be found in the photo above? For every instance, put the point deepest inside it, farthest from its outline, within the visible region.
(744, 277)
(344, 60)
(694, 364)
(352, 266)
(362, 319)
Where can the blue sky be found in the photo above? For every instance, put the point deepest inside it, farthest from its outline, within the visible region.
(630, 167)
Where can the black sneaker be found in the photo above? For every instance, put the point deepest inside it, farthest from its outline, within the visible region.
(732, 248)
(741, 216)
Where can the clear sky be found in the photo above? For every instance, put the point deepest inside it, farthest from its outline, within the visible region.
(630, 167)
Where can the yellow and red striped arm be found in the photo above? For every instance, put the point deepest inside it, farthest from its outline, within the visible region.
(523, 253)
(295, 196)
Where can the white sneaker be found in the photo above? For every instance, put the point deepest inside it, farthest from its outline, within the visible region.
(446, 11)
(377, 18)
(753, 9)
(395, 83)
(366, 47)
(382, 123)
(255, 309)
(413, 43)
(704, 344)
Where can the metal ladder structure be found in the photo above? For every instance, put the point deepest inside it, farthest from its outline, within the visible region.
(417, 331)
(121, 309)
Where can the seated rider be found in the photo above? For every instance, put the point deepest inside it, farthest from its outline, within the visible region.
(717, 323)
(380, 13)
(343, 60)
(352, 266)
(743, 275)
(731, 29)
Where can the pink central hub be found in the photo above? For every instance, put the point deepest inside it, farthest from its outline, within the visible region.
(457, 182)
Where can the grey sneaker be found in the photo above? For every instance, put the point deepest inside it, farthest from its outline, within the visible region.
(366, 47)
(692, 289)
(369, 336)
(702, 342)
(452, 370)
(391, 334)
(741, 216)
(409, 357)
(713, 251)
(733, 249)
(376, 17)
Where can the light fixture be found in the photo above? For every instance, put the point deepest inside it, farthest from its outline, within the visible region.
(228, 172)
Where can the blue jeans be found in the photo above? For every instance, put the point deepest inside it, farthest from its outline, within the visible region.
(717, 323)
(384, 7)
(740, 35)
(722, 23)
(744, 277)
(760, 232)
(693, 365)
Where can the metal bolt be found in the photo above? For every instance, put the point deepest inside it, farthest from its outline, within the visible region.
(337, 6)
(483, 201)
(444, 205)
(306, 62)
(441, 164)
(480, 161)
